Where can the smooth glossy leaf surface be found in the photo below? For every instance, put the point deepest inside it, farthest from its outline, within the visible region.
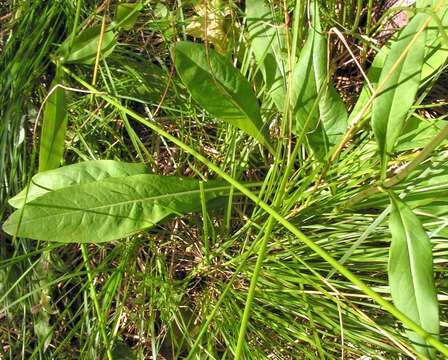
(319, 111)
(411, 276)
(85, 46)
(108, 209)
(54, 125)
(400, 85)
(81, 173)
(127, 14)
(220, 88)
(267, 41)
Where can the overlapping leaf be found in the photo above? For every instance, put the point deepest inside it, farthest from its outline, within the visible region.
(411, 276)
(319, 111)
(220, 88)
(400, 80)
(81, 173)
(267, 41)
(108, 209)
(436, 54)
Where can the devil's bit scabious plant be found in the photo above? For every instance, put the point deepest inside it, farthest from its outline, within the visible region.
(219, 193)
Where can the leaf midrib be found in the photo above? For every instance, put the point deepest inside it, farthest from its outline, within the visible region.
(153, 198)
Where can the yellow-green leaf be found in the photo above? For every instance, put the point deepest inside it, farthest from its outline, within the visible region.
(108, 209)
(75, 174)
(411, 276)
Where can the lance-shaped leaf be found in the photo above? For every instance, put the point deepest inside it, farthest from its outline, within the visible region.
(220, 88)
(108, 209)
(81, 173)
(411, 276)
(267, 41)
(436, 53)
(399, 86)
(319, 111)
(54, 125)
(85, 45)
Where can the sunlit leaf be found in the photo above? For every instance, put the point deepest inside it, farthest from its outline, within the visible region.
(210, 23)
(81, 173)
(108, 209)
(400, 85)
(220, 88)
(411, 276)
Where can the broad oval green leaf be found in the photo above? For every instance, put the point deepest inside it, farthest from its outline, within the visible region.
(54, 125)
(81, 173)
(85, 46)
(220, 88)
(108, 209)
(319, 111)
(268, 41)
(400, 85)
(411, 276)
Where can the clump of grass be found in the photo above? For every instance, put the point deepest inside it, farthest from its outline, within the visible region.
(185, 288)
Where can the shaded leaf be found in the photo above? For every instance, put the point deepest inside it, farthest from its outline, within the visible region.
(108, 209)
(54, 126)
(319, 111)
(267, 41)
(85, 46)
(127, 14)
(123, 352)
(220, 88)
(81, 173)
(390, 108)
(411, 277)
